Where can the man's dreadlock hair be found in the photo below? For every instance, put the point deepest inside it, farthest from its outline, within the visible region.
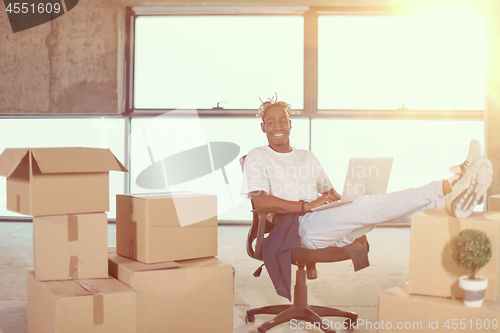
(273, 101)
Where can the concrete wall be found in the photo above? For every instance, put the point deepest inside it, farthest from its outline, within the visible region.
(68, 65)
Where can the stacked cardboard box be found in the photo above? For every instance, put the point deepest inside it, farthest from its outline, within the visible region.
(433, 296)
(92, 305)
(154, 228)
(400, 311)
(431, 253)
(66, 190)
(180, 286)
(494, 203)
(166, 248)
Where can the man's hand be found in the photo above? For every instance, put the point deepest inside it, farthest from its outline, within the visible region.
(332, 191)
(324, 199)
(335, 196)
(262, 199)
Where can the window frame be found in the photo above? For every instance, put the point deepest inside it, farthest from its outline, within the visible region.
(310, 15)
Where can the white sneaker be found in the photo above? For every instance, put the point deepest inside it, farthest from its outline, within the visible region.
(475, 151)
(474, 180)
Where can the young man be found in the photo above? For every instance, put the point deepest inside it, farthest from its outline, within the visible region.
(278, 175)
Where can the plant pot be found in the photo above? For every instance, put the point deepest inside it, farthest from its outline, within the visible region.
(474, 290)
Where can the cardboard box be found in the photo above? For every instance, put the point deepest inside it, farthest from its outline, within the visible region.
(494, 203)
(102, 305)
(70, 246)
(154, 228)
(433, 271)
(398, 311)
(186, 296)
(56, 181)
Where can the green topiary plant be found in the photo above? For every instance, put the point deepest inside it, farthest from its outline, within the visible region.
(471, 250)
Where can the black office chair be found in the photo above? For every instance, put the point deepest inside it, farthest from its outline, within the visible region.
(302, 258)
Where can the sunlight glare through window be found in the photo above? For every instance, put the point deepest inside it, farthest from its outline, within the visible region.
(424, 62)
(203, 60)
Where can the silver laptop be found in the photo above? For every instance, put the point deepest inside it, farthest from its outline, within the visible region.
(364, 176)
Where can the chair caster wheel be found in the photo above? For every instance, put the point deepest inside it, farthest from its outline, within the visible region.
(249, 319)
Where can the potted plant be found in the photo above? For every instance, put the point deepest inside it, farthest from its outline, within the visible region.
(472, 250)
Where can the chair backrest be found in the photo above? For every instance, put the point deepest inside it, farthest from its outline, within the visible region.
(255, 233)
(252, 233)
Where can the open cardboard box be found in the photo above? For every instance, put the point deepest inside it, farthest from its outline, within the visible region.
(433, 271)
(56, 181)
(160, 227)
(70, 246)
(185, 296)
(494, 203)
(86, 306)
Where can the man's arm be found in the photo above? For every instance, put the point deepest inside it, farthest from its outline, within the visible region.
(262, 199)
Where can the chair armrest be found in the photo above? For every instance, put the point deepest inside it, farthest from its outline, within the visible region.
(267, 210)
(258, 230)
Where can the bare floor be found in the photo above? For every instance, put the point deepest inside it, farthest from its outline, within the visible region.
(337, 284)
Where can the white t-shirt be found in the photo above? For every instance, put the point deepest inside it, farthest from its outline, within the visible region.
(293, 176)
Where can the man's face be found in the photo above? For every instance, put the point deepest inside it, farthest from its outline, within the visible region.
(276, 124)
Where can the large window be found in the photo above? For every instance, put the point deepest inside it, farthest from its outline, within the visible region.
(423, 150)
(70, 132)
(391, 62)
(425, 61)
(225, 61)
(173, 152)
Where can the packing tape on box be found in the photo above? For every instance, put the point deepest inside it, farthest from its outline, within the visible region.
(131, 207)
(73, 236)
(132, 246)
(98, 301)
(72, 228)
(454, 227)
(73, 268)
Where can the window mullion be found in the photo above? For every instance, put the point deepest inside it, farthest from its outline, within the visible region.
(129, 60)
(311, 62)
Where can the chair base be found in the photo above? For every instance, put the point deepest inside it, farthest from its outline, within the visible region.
(300, 310)
(309, 313)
